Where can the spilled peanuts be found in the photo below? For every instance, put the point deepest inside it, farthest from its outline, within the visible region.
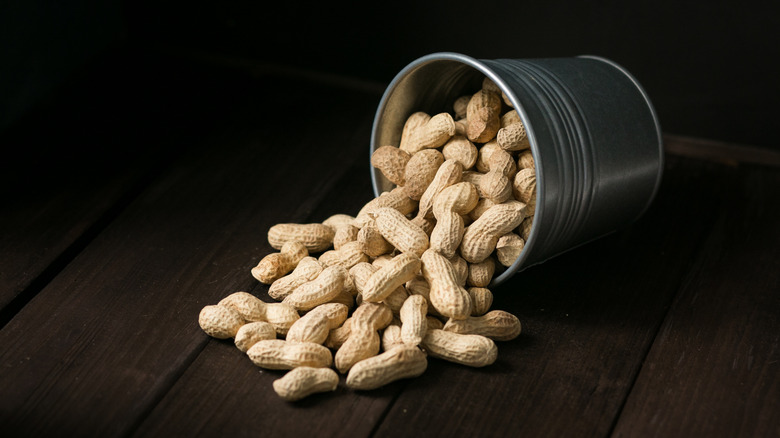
(376, 295)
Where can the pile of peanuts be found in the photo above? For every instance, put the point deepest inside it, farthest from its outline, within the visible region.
(406, 279)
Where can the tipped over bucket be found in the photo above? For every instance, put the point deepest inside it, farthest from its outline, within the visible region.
(592, 129)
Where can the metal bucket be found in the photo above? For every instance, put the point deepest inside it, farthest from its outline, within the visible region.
(594, 135)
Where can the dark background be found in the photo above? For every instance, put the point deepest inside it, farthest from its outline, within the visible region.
(710, 67)
(147, 147)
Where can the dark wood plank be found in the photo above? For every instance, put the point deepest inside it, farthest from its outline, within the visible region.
(102, 343)
(42, 234)
(714, 369)
(589, 317)
(76, 161)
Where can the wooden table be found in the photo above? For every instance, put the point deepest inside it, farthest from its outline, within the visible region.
(143, 191)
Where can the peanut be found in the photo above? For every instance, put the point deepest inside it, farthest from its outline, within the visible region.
(508, 248)
(482, 206)
(446, 295)
(382, 260)
(452, 202)
(344, 228)
(460, 105)
(397, 363)
(481, 237)
(485, 154)
(469, 350)
(220, 322)
(483, 113)
(413, 122)
(525, 228)
(308, 269)
(524, 189)
(349, 286)
(525, 160)
(276, 265)
(248, 306)
(425, 224)
(396, 198)
(384, 281)
(459, 198)
(414, 325)
(493, 158)
(316, 237)
(360, 274)
(493, 185)
(339, 220)
(363, 341)
(433, 134)
(449, 173)
(434, 322)
(509, 118)
(363, 271)
(317, 323)
(467, 220)
(507, 101)
(401, 232)
(391, 161)
(461, 127)
(253, 309)
(419, 286)
(496, 324)
(513, 137)
(396, 299)
(350, 254)
(337, 336)
(482, 299)
(344, 235)
(252, 333)
(302, 382)
(345, 298)
(321, 290)
(371, 241)
(276, 354)
(480, 274)
(461, 268)
(420, 171)
(489, 85)
(391, 338)
(460, 149)
(328, 258)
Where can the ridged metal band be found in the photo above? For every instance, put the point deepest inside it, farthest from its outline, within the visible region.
(573, 146)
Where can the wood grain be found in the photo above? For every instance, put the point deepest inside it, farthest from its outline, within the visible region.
(43, 234)
(102, 343)
(714, 369)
